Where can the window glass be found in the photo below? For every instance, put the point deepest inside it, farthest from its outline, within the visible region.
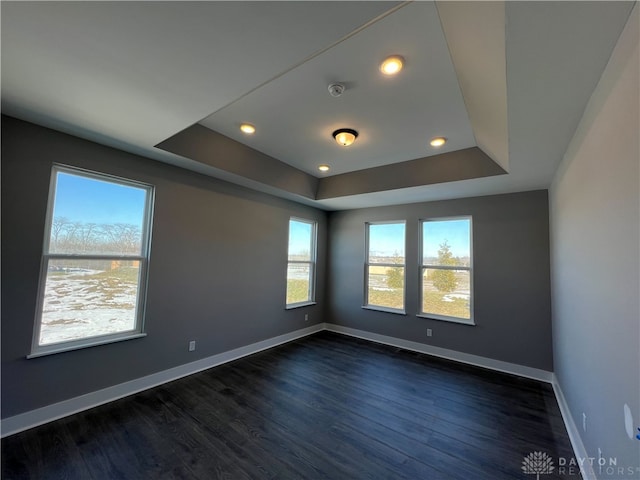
(94, 261)
(385, 267)
(92, 216)
(447, 292)
(301, 262)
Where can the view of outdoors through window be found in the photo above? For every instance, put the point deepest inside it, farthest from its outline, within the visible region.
(385, 265)
(446, 268)
(93, 259)
(300, 267)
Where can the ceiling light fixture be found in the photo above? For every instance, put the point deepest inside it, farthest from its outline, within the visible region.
(345, 136)
(438, 141)
(392, 65)
(323, 168)
(248, 128)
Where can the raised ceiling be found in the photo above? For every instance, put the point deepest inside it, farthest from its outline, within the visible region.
(506, 83)
(395, 116)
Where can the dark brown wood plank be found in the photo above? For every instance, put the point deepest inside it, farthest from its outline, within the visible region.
(323, 407)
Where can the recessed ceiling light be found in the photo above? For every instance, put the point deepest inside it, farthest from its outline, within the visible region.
(438, 141)
(392, 65)
(248, 128)
(345, 136)
(323, 168)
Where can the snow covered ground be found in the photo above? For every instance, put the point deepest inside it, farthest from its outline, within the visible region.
(86, 303)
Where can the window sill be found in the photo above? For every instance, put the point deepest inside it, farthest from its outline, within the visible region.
(299, 305)
(53, 349)
(441, 318)
(384, 309)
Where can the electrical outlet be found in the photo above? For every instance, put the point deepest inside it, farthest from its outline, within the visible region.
(306, 317)
(429, 332)
(192, 345)
(584, 421)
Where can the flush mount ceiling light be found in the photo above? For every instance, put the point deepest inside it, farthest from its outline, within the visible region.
(345, 136)
(392, 65)
(323, 168)
(248, 128)
(438, 141)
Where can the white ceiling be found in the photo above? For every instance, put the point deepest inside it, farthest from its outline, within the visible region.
(395, 117)
(510, 78)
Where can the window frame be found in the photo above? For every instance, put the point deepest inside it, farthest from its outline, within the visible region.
(38, 350)
(367, 305)
(311, 262)
(422, 267)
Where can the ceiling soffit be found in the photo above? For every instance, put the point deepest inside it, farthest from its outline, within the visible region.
(215, 150)
(475, 33)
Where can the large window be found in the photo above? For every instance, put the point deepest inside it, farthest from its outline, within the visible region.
(301, 264)
(447, 262)
(385, 266)
(94, 263)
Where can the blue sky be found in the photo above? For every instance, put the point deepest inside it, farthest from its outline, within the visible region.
(455, 232)
(299, 237)
(82, 199)
(387, 239)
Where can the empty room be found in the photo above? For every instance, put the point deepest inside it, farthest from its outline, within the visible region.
(320, 240)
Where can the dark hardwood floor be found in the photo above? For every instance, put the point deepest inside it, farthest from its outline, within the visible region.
(325, 406)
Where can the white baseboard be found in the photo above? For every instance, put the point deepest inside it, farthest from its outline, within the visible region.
(40, 416)
(579, 450)
(498, 365)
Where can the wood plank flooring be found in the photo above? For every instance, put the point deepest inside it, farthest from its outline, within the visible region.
(323, 407)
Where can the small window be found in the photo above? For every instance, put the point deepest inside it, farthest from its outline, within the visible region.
(301, 265)
(447, 270)
(385, 266)
(94, 263)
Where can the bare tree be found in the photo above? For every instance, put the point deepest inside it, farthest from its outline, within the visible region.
(81, 237)
(69, 242)
(58, 226)
(122, 237)
(86, 235)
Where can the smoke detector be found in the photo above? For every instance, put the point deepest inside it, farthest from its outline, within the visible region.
(336, 89)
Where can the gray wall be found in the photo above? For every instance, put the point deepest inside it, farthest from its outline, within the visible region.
(594, 210)
(511, 276)
(217, 270)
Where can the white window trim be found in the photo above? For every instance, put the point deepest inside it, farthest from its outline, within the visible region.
(292, 306)
(312, 263)
(382, 308)
(423, 266)
(378, 308)
(138, 331)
